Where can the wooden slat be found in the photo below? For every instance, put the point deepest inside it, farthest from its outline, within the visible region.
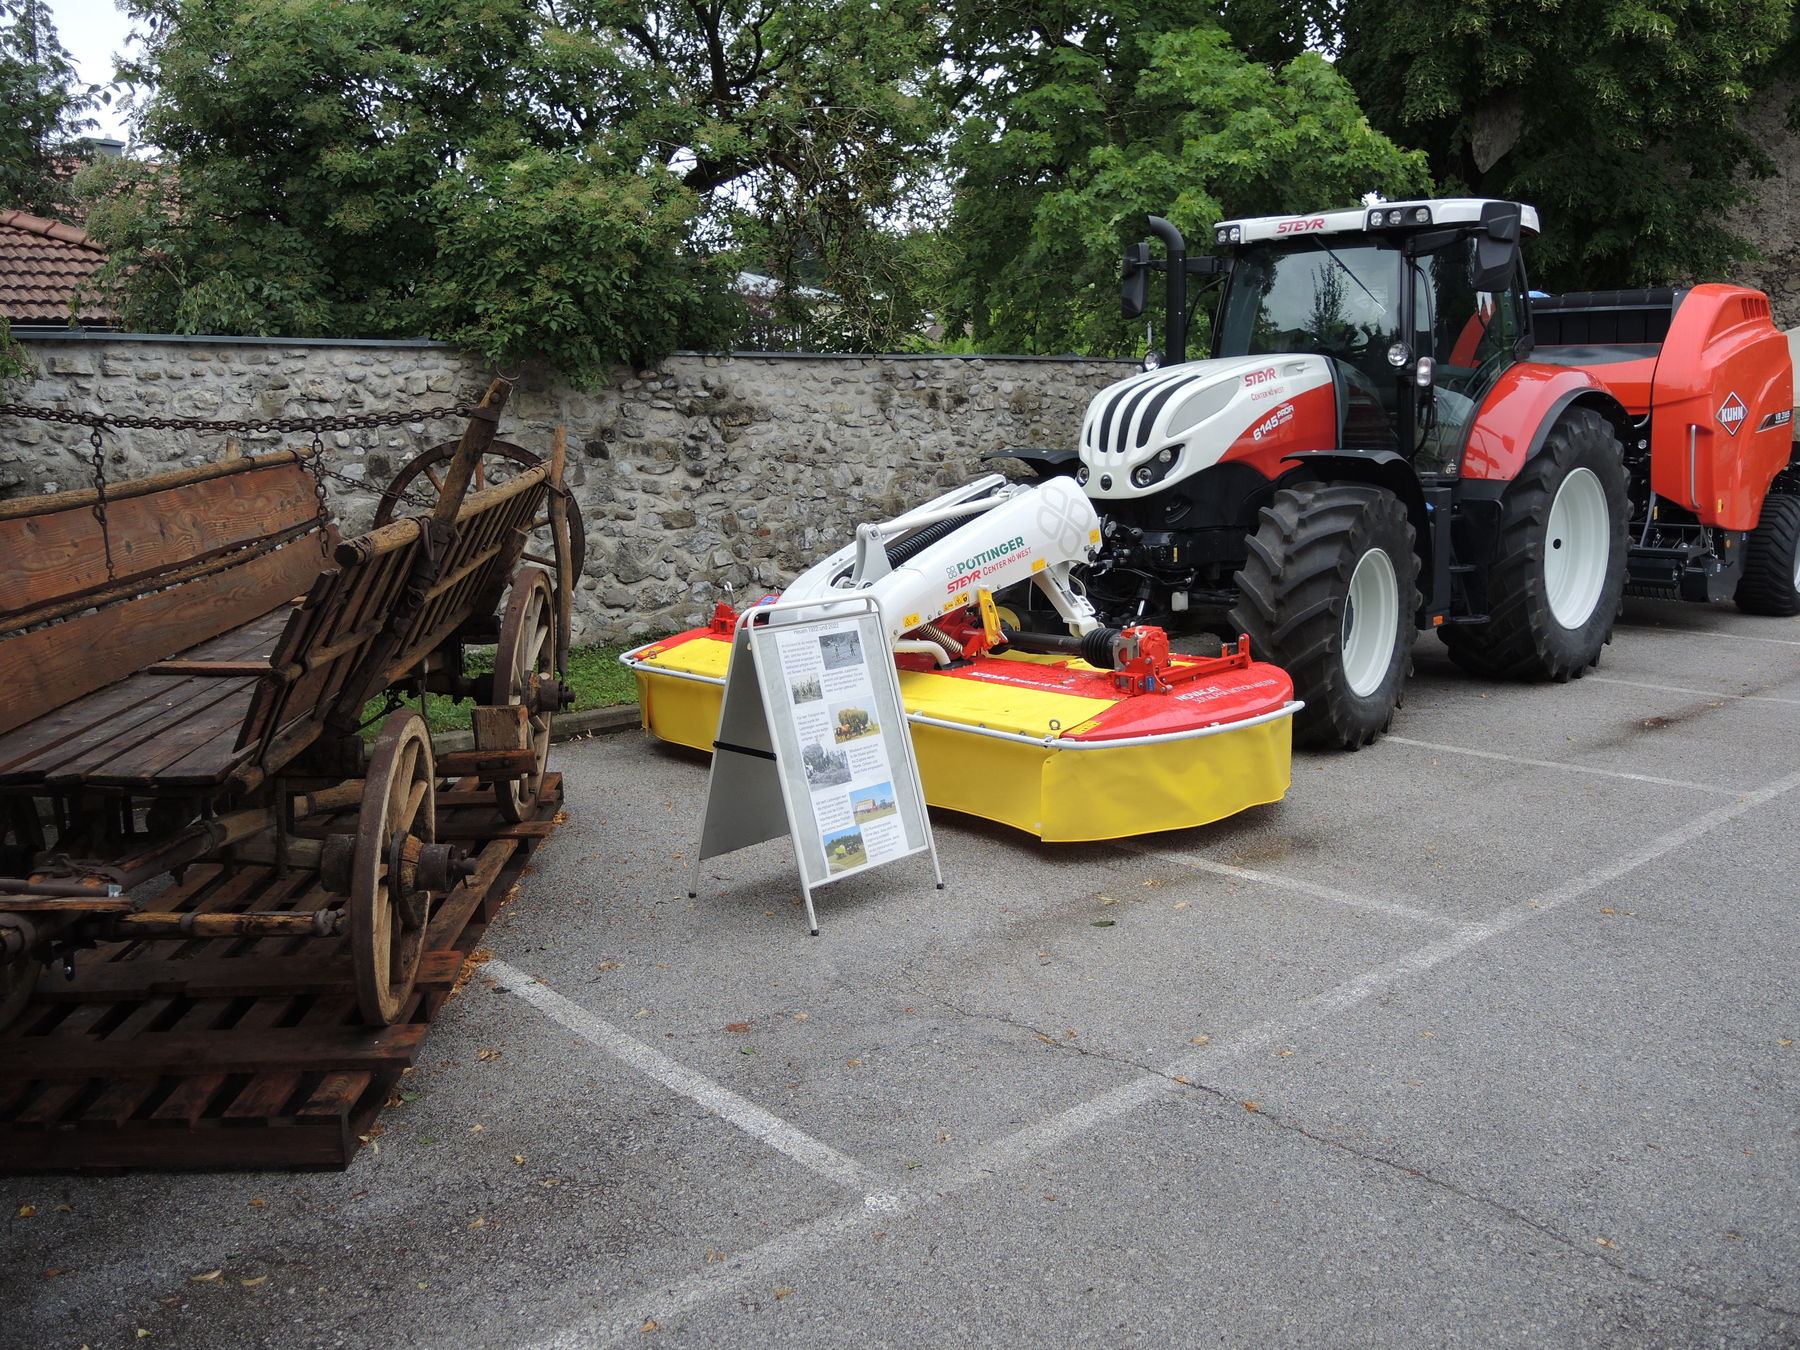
(113, 735)
(58, 555)
(226, 977)
(49, 667)
(202, 743)
(314, 1048)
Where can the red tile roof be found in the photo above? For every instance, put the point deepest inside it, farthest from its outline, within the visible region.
(43, 263)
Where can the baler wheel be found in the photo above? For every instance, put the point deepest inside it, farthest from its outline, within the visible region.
(1558, 572)
(1771, 580)
(1328, 592)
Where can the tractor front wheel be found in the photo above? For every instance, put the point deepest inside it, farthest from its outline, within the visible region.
(1328, 592)
(1771, 580)
(1558, 572)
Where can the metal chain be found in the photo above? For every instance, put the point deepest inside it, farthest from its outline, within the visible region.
(98, 458)
(351, 422)
(99, 422)
(317, 465)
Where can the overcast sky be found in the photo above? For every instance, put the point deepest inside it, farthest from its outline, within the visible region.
(94, 32)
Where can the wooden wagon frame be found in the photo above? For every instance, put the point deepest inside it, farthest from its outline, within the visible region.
(187, 659)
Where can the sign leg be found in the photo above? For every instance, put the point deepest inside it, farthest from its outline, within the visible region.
(812, 917)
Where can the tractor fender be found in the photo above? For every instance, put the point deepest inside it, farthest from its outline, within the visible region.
(1378, 468)
(1516, 417)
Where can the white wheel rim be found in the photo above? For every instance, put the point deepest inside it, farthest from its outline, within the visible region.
(1577, 546)
(1371, 616)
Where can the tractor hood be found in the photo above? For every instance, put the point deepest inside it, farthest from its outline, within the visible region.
(1160, 426)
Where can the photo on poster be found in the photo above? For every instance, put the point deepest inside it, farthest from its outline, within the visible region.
(872, 803)
(844, 850)
(838, 650)
(805, 689)
(851, 722)
(825, 768)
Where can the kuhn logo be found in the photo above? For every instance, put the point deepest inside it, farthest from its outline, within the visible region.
(1732, 413)
(1275, 420)
(1300, 226)
(1256, 377)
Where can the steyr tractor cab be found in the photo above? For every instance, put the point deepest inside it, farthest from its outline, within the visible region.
(1391, 433)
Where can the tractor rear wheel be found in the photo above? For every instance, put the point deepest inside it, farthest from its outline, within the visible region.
(1328, 592)
(1558, 572)
(1771, 580)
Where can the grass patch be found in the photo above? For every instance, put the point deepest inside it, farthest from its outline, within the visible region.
(595, 676)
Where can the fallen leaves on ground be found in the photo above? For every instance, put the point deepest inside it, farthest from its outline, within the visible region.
(206, 1278)
(487, 1056)
(739, 1027)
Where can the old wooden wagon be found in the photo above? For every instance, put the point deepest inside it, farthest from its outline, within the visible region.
(187, 660)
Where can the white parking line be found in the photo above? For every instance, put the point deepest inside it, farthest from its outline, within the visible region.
(1391, 908)
(722, 1101)
(1697, 693)
(755, 1268)
(1559, 764)
(1707, 633)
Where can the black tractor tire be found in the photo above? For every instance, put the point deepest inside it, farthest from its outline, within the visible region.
(1549, 613)
(1295, 602)
(1771, 581)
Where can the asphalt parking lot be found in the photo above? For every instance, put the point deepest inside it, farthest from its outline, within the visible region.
(1485, 1036)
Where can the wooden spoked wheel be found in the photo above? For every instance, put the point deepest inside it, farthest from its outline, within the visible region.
(525, 666)
(389, 905)
(557, 541)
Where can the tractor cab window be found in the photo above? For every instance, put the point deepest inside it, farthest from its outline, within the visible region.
(1336, 300)
(1470, 335)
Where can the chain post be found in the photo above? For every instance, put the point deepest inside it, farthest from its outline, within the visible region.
(98, 459)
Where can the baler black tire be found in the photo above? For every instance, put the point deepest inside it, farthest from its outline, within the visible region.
(1523, 638)
(1294, 590)
(1771, 581)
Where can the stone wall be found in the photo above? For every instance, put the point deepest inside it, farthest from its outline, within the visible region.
(1769, 221)
(704, 474)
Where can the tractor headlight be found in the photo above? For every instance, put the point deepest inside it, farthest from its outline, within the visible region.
(1395, 217)
(1222, 235)
(1237, 233)
(1375, 220)
(1421, 215)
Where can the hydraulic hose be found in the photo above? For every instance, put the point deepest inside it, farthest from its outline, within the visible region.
(1098, 648)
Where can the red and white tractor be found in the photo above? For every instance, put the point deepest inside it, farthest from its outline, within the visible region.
(1393, 433)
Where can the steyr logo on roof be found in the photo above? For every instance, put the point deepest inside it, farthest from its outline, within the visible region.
(1732, 413)
(1300, 226)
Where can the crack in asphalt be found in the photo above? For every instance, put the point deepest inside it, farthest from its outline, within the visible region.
(1419, 1174)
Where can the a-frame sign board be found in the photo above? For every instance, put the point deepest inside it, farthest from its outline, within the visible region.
(813, 743)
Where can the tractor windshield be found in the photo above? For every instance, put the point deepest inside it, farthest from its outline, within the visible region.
(1340, 301)
(1308, 297)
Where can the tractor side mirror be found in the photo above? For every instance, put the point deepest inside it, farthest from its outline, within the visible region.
(1496, 247)
(1134, 280)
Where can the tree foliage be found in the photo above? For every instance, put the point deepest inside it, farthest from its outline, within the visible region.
(1084, 127)
(557, 179)
(1618, 119)
(44, 109)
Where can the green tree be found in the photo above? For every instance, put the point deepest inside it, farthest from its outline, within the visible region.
(1618, 119)
(44, 110)
(1115, 113)
(565, 180)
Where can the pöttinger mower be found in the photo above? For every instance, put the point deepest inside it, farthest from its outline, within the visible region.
(1085, 733)
(1392, 434)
